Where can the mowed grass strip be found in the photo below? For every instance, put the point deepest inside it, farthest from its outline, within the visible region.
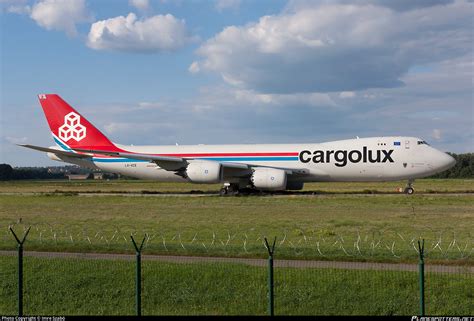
(341, 227)
(143, 186)
(106, 287)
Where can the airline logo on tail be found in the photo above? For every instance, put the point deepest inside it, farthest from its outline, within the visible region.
(72, 128)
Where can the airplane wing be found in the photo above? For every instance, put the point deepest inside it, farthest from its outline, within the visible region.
(55, 151)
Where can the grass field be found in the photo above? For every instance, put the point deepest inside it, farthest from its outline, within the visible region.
(98, 287)
(342, 221)
(371, 227)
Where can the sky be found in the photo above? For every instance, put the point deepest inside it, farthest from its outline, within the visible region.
(161, 72)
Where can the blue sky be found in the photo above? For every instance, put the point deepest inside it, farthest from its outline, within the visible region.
(239, 71)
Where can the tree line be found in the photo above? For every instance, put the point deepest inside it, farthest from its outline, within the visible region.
(8, 172)
(464, 168)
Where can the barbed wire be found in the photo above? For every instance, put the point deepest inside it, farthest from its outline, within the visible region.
(299, 242)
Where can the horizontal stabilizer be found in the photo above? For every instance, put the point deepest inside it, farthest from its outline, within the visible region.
(55, 151)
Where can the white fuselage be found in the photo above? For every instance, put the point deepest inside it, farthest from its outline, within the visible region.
(364, 159)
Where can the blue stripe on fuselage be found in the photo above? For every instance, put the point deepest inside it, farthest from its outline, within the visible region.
(118, 160)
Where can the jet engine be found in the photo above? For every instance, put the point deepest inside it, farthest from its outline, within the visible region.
(269, 179)
(204, 172)
(294, 185)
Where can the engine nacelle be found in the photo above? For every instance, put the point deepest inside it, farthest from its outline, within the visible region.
(269, 179)
(294, 185)
(204, 172)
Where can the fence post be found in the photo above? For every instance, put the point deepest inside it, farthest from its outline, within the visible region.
(138, 280)
(421, 265)
(20, 268)
(271, 302)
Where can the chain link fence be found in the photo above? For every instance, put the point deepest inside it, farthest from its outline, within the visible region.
(104, 284)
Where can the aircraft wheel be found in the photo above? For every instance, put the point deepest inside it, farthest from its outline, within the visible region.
(409, 190)
(223, 191)
(232, 190)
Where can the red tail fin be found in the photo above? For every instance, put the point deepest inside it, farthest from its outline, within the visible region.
(70, 127)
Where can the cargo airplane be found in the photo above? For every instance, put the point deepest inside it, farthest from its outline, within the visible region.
(261, 167)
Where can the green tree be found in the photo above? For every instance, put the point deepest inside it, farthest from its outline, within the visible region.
(6, 172)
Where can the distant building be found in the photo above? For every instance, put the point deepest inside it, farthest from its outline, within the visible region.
(78, 176)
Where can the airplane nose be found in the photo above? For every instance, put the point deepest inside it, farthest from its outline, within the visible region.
(446, 161)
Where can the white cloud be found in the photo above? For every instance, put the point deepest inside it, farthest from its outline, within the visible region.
(347, 94)
(436, 134)
(19, 9)
(336, 47)
(154, 34)
(143, 128)
(222, 5)
(13, 6)
(142, 5)
(146, 105)
(398, 5)
(194, 67)
(369, 96)
(299, 99)
(112, 128)
(62, 15)
(16, 140)
(10, 2)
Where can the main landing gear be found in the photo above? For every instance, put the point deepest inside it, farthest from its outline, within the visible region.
(409, 188)
(229, 190)
(236, 189)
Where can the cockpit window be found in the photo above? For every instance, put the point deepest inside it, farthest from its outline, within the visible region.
(422, 142)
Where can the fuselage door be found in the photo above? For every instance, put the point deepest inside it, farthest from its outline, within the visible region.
(407, 144)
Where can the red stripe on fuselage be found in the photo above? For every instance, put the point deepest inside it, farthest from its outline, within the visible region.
(229, 154)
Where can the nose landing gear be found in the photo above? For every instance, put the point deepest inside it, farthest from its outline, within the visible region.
(409, 190)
